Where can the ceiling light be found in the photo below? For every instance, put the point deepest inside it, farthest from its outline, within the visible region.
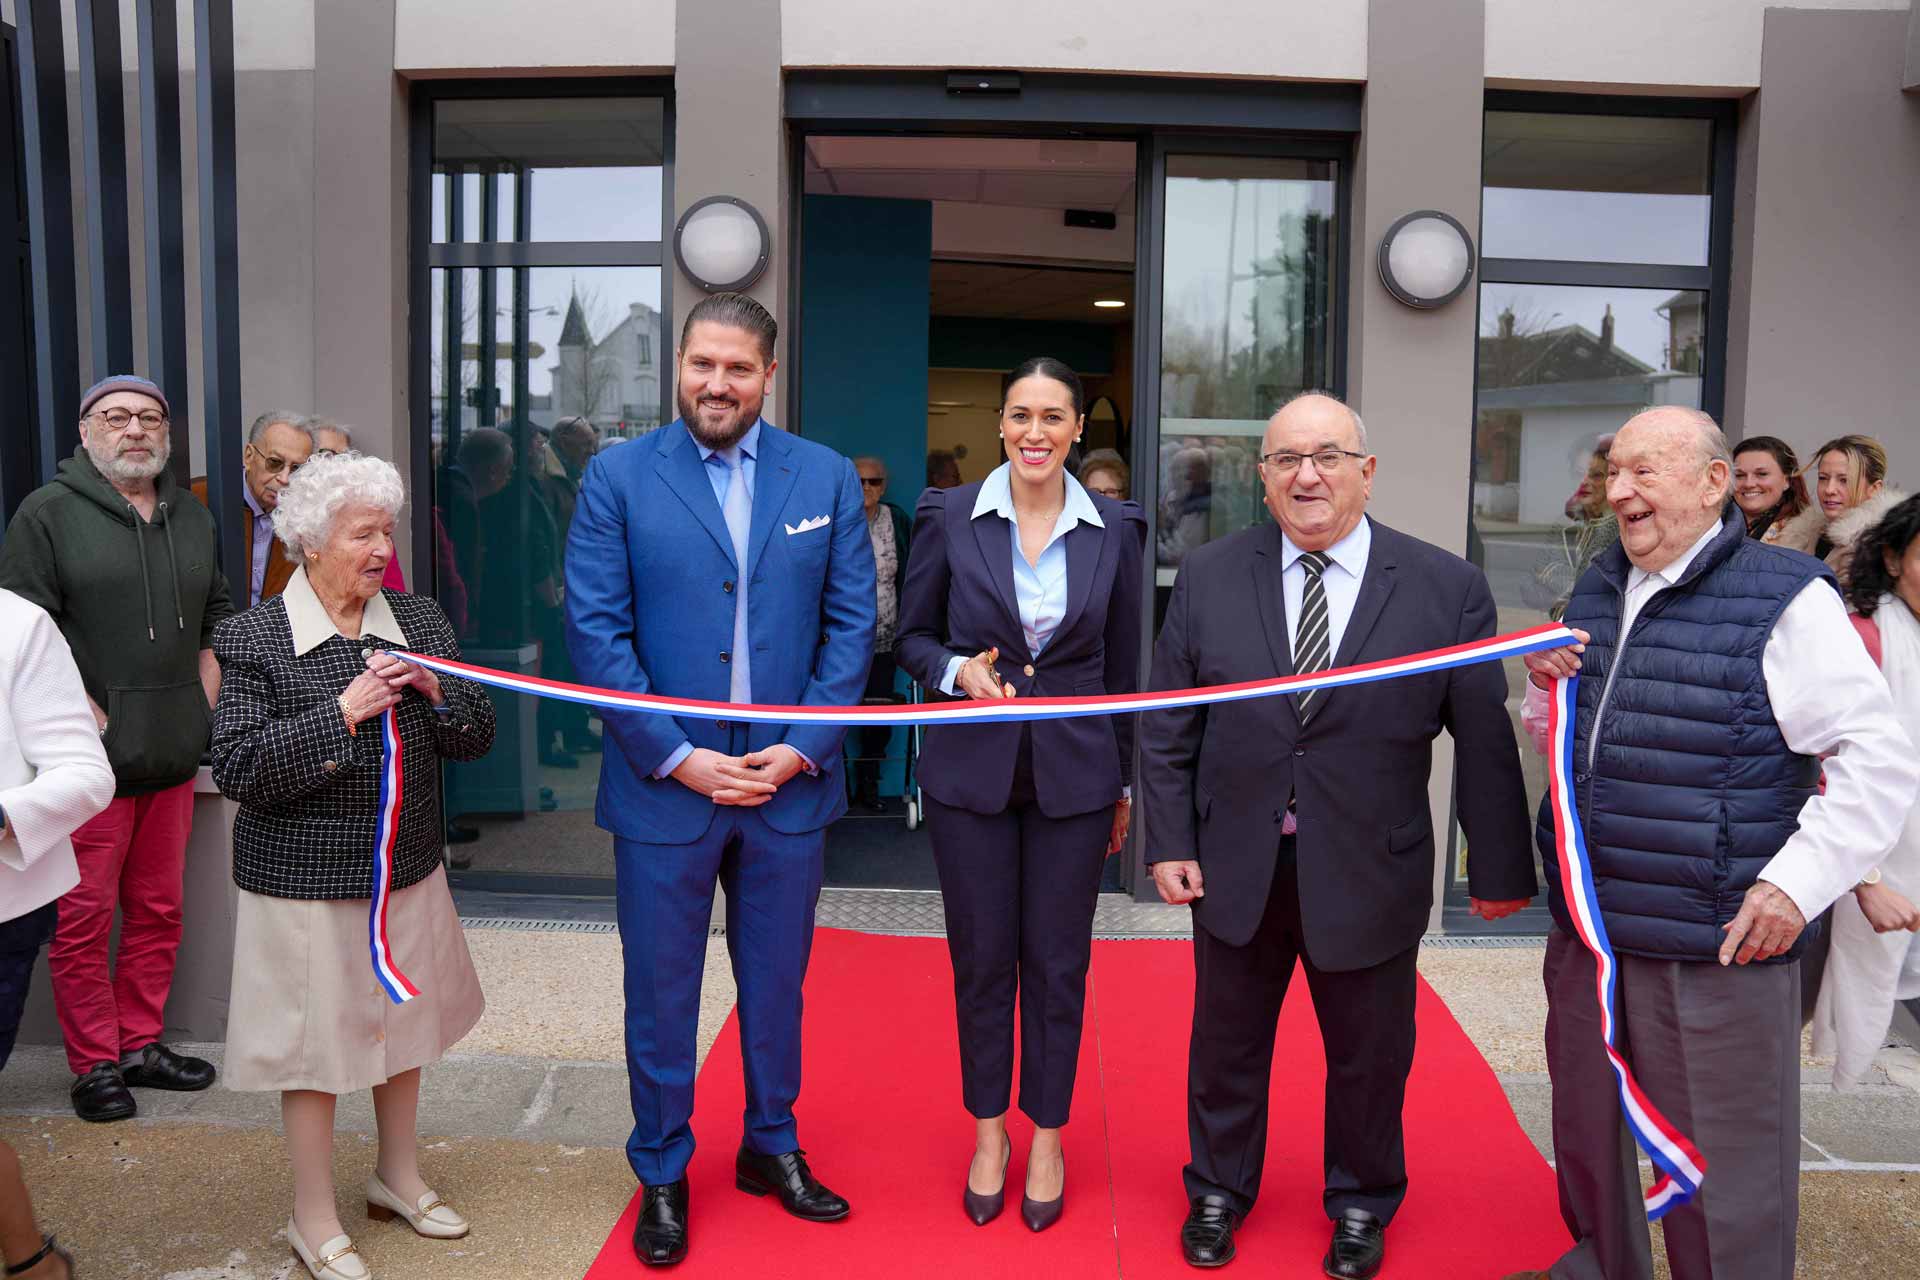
(1108, 302)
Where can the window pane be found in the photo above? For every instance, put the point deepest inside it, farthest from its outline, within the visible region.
(1246, 322)
(591, 167)
(1560, 370)
(503, 500)
(1596, 188)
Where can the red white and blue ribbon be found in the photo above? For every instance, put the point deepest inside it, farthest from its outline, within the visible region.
(386, 835)
(967, 711)
(1679, 1165)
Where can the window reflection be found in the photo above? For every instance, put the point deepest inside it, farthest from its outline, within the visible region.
(1596, 188)
(1246, 323)
(1561, 369)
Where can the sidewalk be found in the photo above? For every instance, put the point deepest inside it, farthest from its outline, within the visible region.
(525, 1128)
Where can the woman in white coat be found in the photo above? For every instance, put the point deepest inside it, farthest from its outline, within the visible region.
(53, 777)
(1874, 958)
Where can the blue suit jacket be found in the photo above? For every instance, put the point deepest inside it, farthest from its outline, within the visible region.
(650, 583)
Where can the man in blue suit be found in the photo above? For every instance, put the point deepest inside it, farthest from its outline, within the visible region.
(721, 559)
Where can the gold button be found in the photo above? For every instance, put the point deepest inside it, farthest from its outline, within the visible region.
(1028, 668)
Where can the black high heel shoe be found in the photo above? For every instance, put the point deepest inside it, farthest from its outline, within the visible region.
(1041, 1214)
(984, 1209)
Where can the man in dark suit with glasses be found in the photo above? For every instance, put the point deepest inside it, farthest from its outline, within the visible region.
(1299, 827)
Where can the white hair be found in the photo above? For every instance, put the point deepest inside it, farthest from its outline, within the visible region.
(319, 490)
(288, 417)
(1708, 437)
(318, 423)
(1359, 427)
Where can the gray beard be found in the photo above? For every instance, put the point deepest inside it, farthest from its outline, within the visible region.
(118, 470)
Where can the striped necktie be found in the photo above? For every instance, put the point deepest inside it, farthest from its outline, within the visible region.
(1311, 647)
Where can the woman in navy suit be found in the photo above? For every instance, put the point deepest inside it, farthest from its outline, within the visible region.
(1024, 585)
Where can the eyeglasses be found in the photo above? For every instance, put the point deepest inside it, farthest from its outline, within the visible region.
(121, 419)
(274, 463)
(326, 453)
(1327, 460)
(874, 482)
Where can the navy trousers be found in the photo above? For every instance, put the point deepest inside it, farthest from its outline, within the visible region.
(665, 902)
(21, 941)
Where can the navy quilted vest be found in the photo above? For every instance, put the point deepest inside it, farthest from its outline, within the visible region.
(1692, 788)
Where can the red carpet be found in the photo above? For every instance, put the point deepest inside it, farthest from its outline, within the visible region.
(881, 1120)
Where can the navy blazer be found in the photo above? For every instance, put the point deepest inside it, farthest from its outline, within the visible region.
(650, 601)
(1214, 780)
(959, 600)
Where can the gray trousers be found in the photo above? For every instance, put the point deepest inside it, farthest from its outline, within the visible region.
(1717, 1050)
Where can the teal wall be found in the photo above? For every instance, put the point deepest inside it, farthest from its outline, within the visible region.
(863, 342)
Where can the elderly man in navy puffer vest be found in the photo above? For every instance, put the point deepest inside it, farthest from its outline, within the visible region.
(1716, 672)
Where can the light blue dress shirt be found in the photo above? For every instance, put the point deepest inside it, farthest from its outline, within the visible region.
(262, 533)
(1340, 580)
(1039, 589)
(719, 475)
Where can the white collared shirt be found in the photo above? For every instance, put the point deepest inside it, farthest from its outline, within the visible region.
(312, 627)
(1829, 700)
(1347, 565)
(1040, 588)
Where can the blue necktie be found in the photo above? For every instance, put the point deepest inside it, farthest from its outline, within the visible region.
(738, 512)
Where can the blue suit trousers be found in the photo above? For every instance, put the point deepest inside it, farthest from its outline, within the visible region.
(665, 902)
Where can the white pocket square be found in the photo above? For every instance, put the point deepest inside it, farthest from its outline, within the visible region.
(808, 526)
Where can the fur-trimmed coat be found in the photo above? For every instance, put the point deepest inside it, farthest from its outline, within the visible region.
(1804, 531)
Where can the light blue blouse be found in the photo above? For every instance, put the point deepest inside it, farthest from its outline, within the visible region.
(1039, 589)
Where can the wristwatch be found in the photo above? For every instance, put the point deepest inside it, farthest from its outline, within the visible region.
(1872, 877)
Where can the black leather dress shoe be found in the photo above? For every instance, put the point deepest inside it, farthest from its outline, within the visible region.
(788, 1177)
(1359, 1243)
(158, 1067)
(984, 1209)
(101, 1095)
(660, 1233)
(1206, 1237)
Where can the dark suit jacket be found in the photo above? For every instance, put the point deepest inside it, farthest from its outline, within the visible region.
(959, 600)
(279, 565)
(1215, 780)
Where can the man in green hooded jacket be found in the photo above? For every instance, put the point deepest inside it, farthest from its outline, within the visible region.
(126, 562)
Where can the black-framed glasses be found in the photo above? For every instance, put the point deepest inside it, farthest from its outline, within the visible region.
(121, 419)
(1325, 460)
(874, 482)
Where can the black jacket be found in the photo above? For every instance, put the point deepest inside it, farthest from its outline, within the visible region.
(1214, 781)
(308, 790)
(137, 601)
(959, 600)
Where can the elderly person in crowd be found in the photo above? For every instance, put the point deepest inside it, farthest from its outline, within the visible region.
(1851, 495)
(1874, 958)
(126, 562)
(890, 532)
(297, 741)
(54, 776)
(1717, 671)
(1104, 471)
(278, 443)
(1767, 485)
(331, 438)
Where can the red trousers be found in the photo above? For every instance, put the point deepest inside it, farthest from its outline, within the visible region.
(133, 857)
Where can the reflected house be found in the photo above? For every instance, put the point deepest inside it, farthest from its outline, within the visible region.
(613, 382)
(1545, 397)
(1686, 314)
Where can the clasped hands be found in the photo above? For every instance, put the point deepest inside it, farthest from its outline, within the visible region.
(382, 685)
(748, 781)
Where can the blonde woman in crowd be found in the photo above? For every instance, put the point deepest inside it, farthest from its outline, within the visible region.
(297, 741)
(1851, 495)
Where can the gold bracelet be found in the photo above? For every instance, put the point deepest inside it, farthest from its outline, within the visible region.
(346, 710)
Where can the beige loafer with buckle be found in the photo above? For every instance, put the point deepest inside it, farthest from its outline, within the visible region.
(337, 1259)
(433, 1217)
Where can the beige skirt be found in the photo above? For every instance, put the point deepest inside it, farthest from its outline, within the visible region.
(307, 1012)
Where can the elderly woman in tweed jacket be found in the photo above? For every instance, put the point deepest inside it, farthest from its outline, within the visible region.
(298, 741)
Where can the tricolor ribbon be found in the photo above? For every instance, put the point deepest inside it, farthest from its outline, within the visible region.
(386, 835)
(1680, 1166)
(968, 711)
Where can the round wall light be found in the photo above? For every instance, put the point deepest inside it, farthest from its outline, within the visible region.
(722, 244)
(1426, 259)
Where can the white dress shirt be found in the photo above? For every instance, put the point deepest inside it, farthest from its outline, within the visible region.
(1829, 700)
(1347, 565)
(54, 774)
